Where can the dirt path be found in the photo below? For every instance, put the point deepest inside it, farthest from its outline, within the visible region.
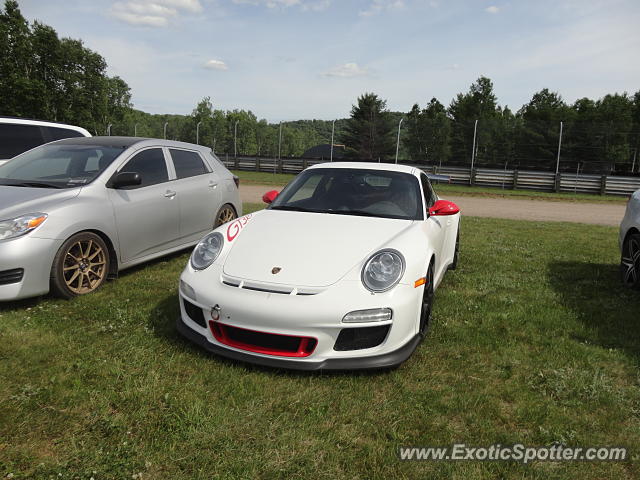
(518, 209)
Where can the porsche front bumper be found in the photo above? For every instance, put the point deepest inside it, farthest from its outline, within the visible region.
(317, 316)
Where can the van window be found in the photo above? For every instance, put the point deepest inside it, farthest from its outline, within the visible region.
(15, 139)
(57, 133)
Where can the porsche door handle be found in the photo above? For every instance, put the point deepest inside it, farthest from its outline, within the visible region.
(213, 184)
(170, 194)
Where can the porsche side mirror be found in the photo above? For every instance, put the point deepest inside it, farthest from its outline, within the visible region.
(270, 196)
(126, 179)
(443, 207)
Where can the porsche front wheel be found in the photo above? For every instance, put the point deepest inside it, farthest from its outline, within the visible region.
(427, 302)
(630, 262)
(456, 252)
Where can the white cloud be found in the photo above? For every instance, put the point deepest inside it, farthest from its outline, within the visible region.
(347, 70)
(315, 5)
(216, 65)
(492, 9)
(153, 13)
(377, 6)
(192, 6)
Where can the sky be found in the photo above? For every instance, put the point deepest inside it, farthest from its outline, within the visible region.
(305, 59)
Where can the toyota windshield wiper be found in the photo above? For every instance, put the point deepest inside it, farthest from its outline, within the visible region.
(32, 184)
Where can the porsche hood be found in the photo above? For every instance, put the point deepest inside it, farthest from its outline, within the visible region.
(304, 249)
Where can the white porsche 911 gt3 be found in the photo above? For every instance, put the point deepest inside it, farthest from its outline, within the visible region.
(338, 272)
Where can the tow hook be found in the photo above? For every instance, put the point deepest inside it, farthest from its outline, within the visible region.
(215, 313)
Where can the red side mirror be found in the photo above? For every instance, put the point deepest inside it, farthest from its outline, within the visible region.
(443, 207)
(270, 196)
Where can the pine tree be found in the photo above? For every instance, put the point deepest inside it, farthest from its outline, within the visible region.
(369, 133)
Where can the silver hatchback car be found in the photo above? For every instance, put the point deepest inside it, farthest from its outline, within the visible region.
(630, 243)
(75, 212)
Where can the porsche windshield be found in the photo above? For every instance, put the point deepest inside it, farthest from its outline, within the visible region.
(352, 191)
(58, 166)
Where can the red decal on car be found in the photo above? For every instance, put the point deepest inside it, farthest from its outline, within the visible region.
(234, 227)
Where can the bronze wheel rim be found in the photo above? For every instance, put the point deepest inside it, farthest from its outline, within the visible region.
(226, 215)
(84, 267)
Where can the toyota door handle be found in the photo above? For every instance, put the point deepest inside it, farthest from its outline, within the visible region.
(170, 194)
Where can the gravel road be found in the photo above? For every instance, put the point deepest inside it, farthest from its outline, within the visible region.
(518, 209)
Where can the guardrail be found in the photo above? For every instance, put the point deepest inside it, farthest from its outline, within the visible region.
(485, 177)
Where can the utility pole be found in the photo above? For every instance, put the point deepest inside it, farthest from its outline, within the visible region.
(198, 133)
(235, 139)
(398, 141)
(280, 141)
(333, 127)
(473, 150)
(559, 146)
(135, 130)
(164, 130)
(109, 129)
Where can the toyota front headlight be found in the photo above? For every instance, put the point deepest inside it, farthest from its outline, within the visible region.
(16, 227)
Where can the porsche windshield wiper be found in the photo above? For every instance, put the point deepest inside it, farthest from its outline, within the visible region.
(353, 212)
(294, 209)
(32, 184)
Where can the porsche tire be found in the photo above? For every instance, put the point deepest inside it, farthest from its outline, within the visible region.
(427, 303)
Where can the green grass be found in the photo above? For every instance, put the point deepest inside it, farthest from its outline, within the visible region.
(263, 178)
(533, 341)
(281, 179)
(445, 189)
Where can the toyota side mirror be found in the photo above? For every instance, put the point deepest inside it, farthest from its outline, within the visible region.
(126, 179)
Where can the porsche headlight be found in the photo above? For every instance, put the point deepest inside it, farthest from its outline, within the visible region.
(383, 270)
(16, 227)
(207, 251)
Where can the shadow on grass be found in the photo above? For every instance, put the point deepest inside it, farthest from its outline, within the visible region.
(594, 292)
(21, 304)
(34, 301)
(163, 324)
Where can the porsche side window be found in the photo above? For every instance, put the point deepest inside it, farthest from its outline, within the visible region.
(150, 165)
(307, 189)
(429, 195)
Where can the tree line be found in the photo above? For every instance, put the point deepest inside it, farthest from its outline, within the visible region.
(46, 77)
(598, 136)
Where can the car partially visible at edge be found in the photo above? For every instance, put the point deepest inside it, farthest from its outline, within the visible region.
(630, 243)
(17, 135)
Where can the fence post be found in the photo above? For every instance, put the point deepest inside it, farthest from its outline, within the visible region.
(305, 163)
(472, 178)
(236, 162)
(257, 164)
(556, 183)
(515, 179)
(280, 165)
(603, 185)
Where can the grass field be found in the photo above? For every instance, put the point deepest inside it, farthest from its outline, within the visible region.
(280, 179)
(533, 341)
